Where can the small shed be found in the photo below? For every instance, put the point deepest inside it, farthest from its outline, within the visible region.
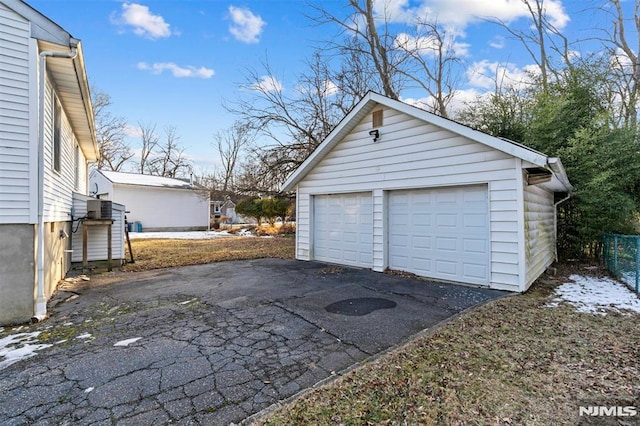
(396, 187)
(158, 203)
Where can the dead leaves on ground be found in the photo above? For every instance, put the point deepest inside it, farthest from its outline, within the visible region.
(166, 253)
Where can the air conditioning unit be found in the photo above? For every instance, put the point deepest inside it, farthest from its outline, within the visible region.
(99, 209)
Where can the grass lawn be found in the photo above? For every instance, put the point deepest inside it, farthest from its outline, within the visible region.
(513, 361)
(165, 253)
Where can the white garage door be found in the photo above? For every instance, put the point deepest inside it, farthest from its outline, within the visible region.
(441, 233)
(343, 229)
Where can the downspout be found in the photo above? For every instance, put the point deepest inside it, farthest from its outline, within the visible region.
(555, 223)
(41, 299)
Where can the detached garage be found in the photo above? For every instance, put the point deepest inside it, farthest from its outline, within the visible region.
(395, 187)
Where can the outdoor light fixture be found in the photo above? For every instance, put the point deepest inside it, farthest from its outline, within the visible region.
(375, 133)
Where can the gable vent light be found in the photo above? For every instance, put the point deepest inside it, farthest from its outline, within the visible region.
(375, 133)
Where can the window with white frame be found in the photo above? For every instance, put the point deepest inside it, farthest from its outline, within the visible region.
(57, 134)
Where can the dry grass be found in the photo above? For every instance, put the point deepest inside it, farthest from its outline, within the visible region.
(167, 253)
(510, 362)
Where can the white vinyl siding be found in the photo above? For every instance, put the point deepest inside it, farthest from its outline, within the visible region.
(414, 154)
(14, 118)
(60, 185)
(97, 248)
(303, 229)
(163, 208)
(539, 229)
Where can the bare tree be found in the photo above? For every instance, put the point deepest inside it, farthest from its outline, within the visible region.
(229, 144)
(364, 34)
(110, 132)
(293, 125)
(169, 158)
(543, 41)
(433, 63)
(623, 46)
(148, 143)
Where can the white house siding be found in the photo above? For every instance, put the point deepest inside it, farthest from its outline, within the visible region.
(14, 118)
(60, 186)
(164, 209)
(97, 248)
(414, 154)
(539, 225)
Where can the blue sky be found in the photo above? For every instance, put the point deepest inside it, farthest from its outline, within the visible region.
(173, 62)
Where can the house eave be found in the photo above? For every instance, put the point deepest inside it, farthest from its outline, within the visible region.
(72, 87)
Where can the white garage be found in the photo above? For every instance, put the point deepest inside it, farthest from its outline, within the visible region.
(342, 231)
(396, 187)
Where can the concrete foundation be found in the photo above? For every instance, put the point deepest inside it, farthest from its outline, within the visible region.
(17, 272)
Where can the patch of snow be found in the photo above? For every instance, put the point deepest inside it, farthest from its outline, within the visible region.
(245, 232)
(127, 342)
(16, 347)
(193, 235)
(67, 324)
(186, 302)
(87, 390)
(596, 295)
(1, 329)
(84, 336)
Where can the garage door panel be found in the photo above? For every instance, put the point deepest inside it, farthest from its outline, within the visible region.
(478, 271)
(420, 242)
(440, 233)
(475, 221)
(478, 246)
(445, 267)
(447, 220)
(343, 229)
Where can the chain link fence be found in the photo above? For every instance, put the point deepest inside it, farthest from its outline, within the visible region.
(622, 257)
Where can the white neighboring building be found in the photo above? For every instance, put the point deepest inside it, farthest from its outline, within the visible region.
(158, 203)
(396, 187)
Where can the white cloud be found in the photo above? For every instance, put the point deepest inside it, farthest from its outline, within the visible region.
(428, 46)
(497, 42)
(484, 74)
(268, 83)
(177, 71)
(144, 23)
(456, 103)
(132, 131)
(621, 61)
(460, 13)
(245, 25)
(330, 88)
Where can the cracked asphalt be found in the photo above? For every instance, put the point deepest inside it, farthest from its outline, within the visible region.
(212, 344)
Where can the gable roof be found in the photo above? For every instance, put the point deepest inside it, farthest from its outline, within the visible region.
(121, 178)
(72, 86)
(372, 99)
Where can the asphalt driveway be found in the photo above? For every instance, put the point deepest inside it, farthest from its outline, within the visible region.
(212, 344)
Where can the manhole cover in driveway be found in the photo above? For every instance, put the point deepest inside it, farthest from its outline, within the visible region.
(360, 306)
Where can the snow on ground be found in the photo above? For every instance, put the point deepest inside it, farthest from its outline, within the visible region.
(596, 295)
(16, 347)
(193, 235)
(127, 342)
